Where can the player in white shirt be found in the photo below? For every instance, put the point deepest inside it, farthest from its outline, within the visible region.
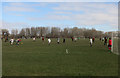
(49, 41)
(91, 42)
(58, 40)
(34, 38)
(75, 39)
(103, 39)
(11, 41)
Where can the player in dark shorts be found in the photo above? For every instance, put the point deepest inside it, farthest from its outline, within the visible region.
(105, 41)
(43, 38)
(110, 44)
(93, 39)
(18, 41)
(72, 38)
(63, 40)
(6, 39)
(58, 40)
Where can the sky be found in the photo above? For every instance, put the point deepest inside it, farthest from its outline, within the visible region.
(99, 15)
(60, 0)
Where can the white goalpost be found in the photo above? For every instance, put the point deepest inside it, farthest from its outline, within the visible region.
(114, 48)
(0, 55)
(112, 42)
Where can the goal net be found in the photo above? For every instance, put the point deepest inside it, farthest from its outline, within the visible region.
(115, 40)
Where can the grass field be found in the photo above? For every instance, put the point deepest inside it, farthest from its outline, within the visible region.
(37, 59)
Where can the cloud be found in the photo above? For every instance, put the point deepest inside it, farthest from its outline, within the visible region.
(93, 14)
(60, 0)
(61, 12)
(87, 7)
(18, 14)
(18, 7)
(17, 4)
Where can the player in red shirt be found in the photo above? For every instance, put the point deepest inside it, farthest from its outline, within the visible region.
(110, 44)
(72, 38)
(43, 38)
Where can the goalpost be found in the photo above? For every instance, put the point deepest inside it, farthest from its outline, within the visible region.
(114, 48)
(112, 42)
(0, 54)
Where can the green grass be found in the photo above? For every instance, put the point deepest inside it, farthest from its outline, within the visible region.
(38, 59)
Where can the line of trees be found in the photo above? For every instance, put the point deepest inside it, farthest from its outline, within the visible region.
(53, 32)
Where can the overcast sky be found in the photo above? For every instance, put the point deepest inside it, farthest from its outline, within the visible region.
(99, 15)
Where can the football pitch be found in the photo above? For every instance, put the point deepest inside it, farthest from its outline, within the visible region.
(40, 59)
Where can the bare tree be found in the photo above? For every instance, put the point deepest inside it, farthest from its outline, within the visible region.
(55, 32)
(13, 32)
(65, 32)
(33, 31)
(22, 33)
(28, 32)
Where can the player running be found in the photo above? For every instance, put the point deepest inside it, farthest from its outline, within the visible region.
(100, 38)
(110, 44)
(75, 39)
(105, 41)
(18, 41)
(63, 40)
(58, 40)
(6, 39)
(11, 41)
(43, 38)
(93, 39)
(34, 38)
(49, 41)
(91, 42)
(72, 38)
